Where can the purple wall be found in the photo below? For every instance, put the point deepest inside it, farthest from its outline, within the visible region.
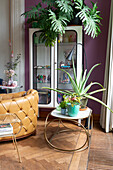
(95, 48)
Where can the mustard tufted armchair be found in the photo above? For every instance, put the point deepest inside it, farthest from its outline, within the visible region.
(25, 106)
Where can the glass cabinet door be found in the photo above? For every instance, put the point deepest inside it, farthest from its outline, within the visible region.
(41, 69)
(65, 45)
(72, 39)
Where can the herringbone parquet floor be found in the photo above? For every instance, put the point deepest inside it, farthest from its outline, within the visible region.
(37, 155)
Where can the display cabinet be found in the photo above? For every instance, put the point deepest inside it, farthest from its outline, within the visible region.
(44, 62)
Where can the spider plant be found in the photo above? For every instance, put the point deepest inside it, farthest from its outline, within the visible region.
(80, 89)
(54, 17)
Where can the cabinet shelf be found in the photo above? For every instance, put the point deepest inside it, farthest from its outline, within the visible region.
(66, 44)
(39, 67)
(49, 83)
(69, 68)
(64, 83)
(60, 44)
(43, 83)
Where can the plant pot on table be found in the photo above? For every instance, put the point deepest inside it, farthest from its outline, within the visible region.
(83, 103)
(73, 109)
(63, 111)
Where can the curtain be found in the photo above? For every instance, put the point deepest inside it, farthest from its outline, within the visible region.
(106, 117)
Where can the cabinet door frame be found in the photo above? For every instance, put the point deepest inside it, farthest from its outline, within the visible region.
(79, 31)
(31, 31)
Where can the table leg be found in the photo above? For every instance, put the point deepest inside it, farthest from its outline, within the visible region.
(90, 123)
(17, 149)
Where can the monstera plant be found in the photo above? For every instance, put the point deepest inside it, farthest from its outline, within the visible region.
(52, 16)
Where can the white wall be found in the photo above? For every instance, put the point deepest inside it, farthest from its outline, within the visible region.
(17, 37)
(4, 35)
(17, 31)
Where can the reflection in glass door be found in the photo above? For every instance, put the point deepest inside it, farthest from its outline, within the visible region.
(41, 69)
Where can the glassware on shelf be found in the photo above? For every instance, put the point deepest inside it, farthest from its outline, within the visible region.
(42, 67)
(43, 78)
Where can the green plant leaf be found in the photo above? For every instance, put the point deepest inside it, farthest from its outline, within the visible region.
(74, 73)
(33, 12)
(79, 4)
(89, 86)
(97, 100)
(74, 86)
(87, 77)
(96, 91)
(57, 24)
(65, 6)
(67, 91)
(90, 18)
(82, 79)
(49, 2)
(59, 91)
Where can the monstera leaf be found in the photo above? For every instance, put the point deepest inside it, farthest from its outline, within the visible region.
(90, 18)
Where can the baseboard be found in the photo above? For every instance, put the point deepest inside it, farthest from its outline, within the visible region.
(43, 112)
(96, 117)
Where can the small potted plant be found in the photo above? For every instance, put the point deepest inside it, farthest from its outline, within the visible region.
(73, 103)
(63, 106)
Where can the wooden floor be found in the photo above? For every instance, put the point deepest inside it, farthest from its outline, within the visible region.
(37, 155)
(101, 150)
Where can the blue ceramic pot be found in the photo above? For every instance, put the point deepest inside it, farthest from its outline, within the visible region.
(63, 111)
(73, 109)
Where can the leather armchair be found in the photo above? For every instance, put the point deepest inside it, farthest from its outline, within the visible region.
(25, 106)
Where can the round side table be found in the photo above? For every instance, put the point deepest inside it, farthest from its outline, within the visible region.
(57, 116)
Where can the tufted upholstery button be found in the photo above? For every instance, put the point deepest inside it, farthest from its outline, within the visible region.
(25, 107)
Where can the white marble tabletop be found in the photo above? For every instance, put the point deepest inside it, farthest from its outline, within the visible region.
(81, 114)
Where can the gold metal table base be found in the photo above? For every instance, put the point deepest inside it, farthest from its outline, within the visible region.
(58, 130)
(15, 145)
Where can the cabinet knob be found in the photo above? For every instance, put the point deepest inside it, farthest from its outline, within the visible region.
(55, 62)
